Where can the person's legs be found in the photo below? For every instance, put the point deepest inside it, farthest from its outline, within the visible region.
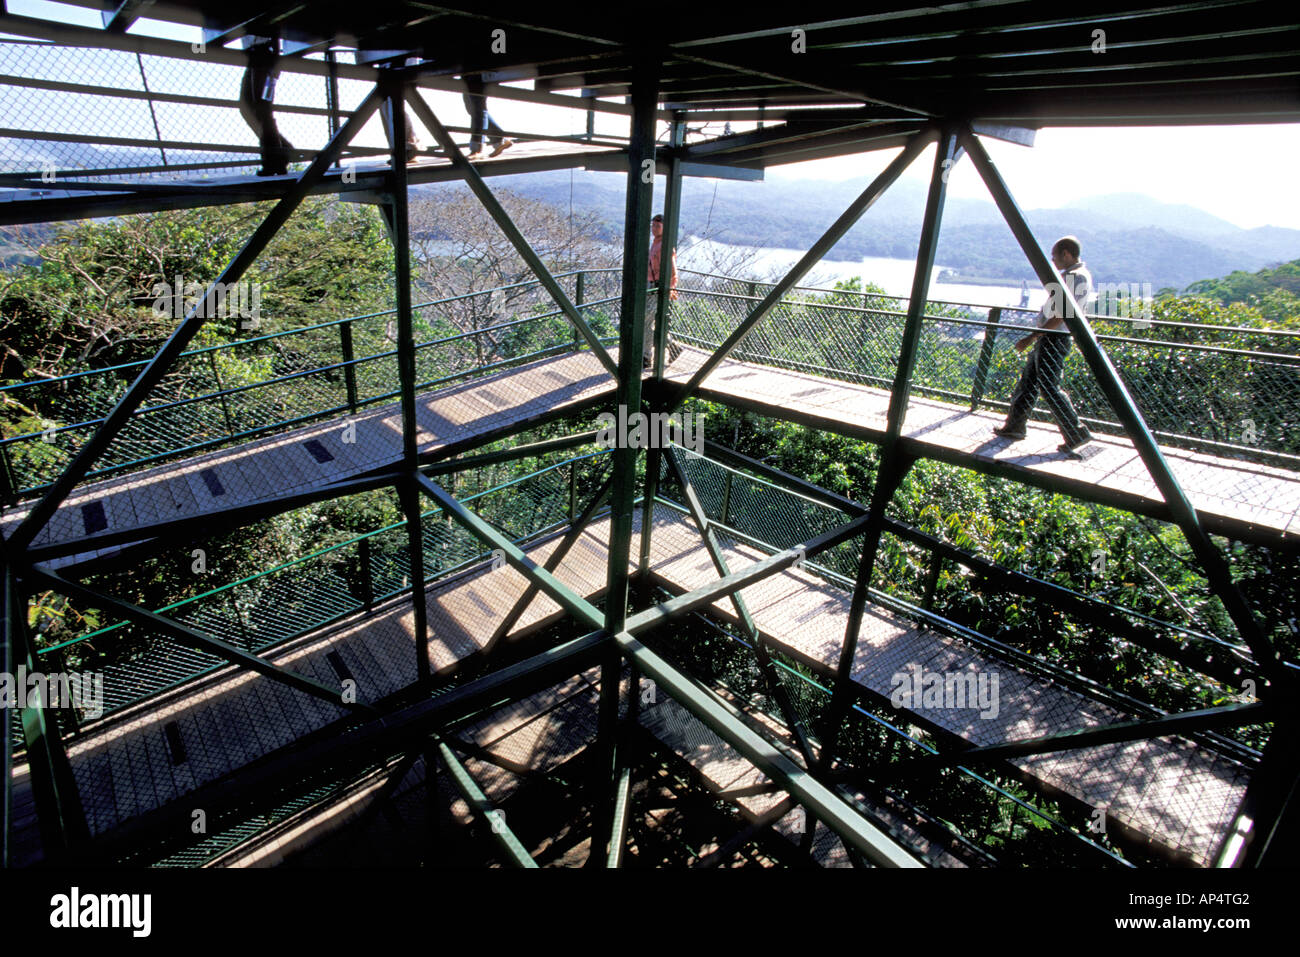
(1025, 394)
(1052, 365)
(476, 109)
(648, 347)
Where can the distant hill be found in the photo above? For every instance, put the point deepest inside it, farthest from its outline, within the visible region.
(1126, 237)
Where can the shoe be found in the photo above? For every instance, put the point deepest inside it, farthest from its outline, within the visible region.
(476, 155)
(501, 148)
(1072, 448)
(1008, 432)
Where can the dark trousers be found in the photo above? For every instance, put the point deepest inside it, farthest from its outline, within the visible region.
(1043, 374)
(479, 118)
(256, 93)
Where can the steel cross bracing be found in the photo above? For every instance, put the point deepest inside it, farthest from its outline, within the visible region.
(614, 631)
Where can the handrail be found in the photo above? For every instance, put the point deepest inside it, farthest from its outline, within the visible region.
(951, 302)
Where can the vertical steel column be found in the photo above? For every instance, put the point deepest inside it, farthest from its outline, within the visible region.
(349, 357)
(631, 339)
(636, 257)
(672, 213)
(1184, 514)
(579, 296)
(60, 814)
(894, 464)
(395, 106)
(6, 718)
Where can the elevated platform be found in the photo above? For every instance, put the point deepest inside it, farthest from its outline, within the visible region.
(450, 419)
(1234, 498)
(1242, 500)
(1167, 791)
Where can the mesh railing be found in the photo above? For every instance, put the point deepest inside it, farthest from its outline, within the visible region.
(1232, 392)
(266, 609)
(226, 394)
(763, 515)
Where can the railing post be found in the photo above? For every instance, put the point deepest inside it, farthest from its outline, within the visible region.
(8, 483)
(225, 408)
(986, 357)
(579, 290)
(366, 577)
(726, 499)
(349, 357)
(932, 580)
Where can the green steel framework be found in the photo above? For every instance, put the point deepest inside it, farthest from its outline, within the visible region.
(612, 638)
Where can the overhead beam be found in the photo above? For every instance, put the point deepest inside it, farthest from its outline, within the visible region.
(494, 209)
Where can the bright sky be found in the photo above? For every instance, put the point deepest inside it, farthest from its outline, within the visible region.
(1244, 174)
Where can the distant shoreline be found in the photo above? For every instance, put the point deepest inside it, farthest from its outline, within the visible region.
(948, 275)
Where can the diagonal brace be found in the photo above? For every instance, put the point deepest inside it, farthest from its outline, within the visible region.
(552, 563)
(1234, 715)
(569, 600)
(773, 680)
(197, 639)
(162, 361)
(847, 220)
(475, 182)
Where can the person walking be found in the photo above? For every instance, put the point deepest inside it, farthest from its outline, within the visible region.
(655, 290)
(1042, 372)
(476, 106)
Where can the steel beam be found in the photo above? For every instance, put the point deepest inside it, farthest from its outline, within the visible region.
(810, 259)
(479, 803)
(706, 595)
(636, 255)
(162, 361)
(60, 814)
(569, 600)
(196, 639)
(494, 209)
(7, 626)
(399, 220)
(553, 562)
(819, 799)
(1112, 386)
(1228, 716)
(672, 214)
(894, 462)
(183, 529)
(775, 686)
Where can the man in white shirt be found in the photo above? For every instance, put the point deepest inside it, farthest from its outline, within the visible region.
(1043, 369)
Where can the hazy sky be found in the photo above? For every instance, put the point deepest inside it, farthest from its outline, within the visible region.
(1244, 174)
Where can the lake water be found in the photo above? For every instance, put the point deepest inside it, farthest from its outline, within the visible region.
(892, 275)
